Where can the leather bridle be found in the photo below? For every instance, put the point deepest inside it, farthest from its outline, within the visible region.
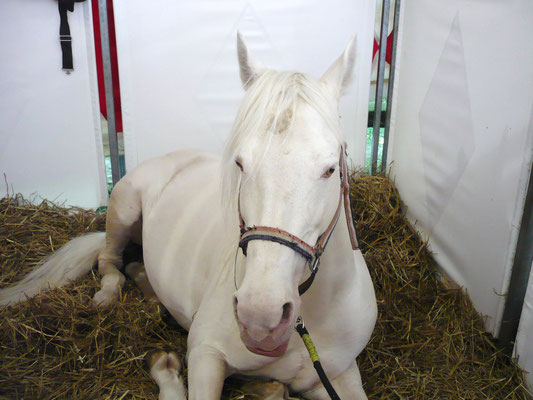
(311, 253)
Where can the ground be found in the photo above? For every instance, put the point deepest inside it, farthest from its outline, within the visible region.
(429, 343)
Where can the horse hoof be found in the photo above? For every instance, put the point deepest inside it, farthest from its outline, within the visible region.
(159, 360)
(134, 269)
(164, 369)
(163, 366)
(103, 298)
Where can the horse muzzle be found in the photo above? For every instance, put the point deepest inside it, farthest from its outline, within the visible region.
(262, 336)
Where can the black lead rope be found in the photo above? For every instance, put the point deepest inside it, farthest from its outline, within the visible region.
(304, 334)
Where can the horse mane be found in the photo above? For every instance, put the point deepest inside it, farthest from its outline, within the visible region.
(269, 107)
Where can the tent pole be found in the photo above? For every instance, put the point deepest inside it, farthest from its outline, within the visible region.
(396, 23)
(520, 273)
(108, 82)
(379, 83)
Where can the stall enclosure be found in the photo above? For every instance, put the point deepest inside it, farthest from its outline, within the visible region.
(461, 131)
(461, 138)
(49, 126)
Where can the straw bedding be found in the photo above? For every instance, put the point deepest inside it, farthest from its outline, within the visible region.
(428, 343)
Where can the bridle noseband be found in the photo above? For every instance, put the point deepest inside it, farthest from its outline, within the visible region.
(311, 253)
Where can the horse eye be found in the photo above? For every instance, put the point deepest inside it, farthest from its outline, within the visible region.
(329, 172)
(238, 164)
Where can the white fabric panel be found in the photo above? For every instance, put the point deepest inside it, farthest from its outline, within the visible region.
(49, 127)
(461, 145)
(524, 337)
(179, 74)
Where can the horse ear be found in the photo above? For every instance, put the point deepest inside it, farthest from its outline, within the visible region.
(250, 69)
(339, 76)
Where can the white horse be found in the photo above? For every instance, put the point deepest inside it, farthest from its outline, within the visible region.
(280, 173)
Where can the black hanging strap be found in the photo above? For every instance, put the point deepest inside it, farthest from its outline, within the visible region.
(64, 33)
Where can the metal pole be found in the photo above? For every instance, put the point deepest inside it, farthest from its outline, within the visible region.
(396, 23)
(379, 82)
(520, 273)
(108, 81)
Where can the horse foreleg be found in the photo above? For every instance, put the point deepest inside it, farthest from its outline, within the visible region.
(122, 222)
(206, 373)
(165, 369)
(348, 385)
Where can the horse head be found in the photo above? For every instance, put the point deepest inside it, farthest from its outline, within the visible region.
(282, 162)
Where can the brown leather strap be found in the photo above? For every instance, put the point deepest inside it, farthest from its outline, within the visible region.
(324, 237)
(279, 236)
(345, 184)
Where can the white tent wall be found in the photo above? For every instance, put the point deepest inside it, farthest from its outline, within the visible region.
(178, 68)
(49, 122)
(461, 140)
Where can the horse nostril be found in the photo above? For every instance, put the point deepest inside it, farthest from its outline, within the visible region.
(287, 312)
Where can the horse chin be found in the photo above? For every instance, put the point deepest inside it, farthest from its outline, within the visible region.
(276, 352)
(268, 346)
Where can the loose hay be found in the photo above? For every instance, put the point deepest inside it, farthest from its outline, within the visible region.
(429, 342)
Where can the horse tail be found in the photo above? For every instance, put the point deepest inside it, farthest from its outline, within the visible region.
(70, 262)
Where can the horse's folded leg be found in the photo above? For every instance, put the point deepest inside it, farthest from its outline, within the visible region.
(122, 222)
(206, 373)
(269, 390)
(165, 368)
